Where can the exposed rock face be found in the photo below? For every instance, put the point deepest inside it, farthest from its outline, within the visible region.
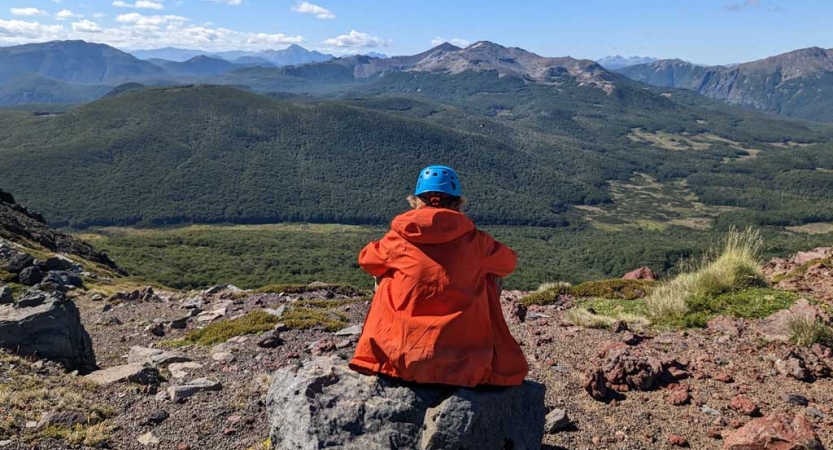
(50, 330)
(775, 432)
(325, 403)
(642, 273)
(777, 326)
(128, 373)
(16, 223)
(625, 368)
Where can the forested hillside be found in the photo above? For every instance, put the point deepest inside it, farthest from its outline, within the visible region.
(528, 152)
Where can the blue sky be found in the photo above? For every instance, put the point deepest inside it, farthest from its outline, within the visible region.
(703, 31)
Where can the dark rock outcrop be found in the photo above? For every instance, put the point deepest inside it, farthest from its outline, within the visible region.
(18, 223)
(325, 403)
(50, 329)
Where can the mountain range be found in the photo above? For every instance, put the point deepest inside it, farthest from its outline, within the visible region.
(278, 145)
(618, 62)
(292, 55)
(797, 84)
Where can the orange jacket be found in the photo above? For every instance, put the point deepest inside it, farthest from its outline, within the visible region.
(436, 315)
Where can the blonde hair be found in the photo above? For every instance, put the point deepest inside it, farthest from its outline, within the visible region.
(453, 203)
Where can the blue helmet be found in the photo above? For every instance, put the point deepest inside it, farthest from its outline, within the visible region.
(438, 179)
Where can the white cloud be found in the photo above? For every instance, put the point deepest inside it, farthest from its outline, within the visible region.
(99, 15)
(139, 4)
(459, 42)
(356, 39)
(86, 26)
(228, 2)
(137, 31)
(66, 14)
(27, 12)
(151, 21)
(19, 32)
(318, 11)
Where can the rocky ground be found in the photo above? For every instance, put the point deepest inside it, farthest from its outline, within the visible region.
(619, 390)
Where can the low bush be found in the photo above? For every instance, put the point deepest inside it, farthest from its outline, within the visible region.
(610, 289)
(753, 303)
(602, 313)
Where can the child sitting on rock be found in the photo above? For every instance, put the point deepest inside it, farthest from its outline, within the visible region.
(436, 315)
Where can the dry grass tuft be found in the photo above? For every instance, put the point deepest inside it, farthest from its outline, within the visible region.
(805, 332)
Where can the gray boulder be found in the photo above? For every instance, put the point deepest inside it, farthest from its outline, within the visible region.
(6, 297)
(323, 404)
(60, 280)
(52, 330)
(58, 262)
(30, 276)
(14, 262)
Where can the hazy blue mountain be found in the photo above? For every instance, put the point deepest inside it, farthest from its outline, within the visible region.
(798, 83)
(72, 61)
(618, 62)
(292, 55)
(168, 53)
(253, 61)
(198, 65)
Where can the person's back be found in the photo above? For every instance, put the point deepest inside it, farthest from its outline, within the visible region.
(436, 315)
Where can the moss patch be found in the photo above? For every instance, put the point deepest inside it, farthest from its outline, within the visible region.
(215, 333)
(754, 303)
(610, 289)
(303, 318)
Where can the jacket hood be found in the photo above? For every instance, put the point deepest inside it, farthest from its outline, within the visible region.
(432, 225)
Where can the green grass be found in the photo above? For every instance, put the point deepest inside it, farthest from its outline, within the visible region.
(603, 313)
(215, 333)
(805, 332)
(732, 267)
(606, 289)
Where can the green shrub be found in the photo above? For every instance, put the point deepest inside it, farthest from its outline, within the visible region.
(805, 332)
(215, 333)
(611, 289)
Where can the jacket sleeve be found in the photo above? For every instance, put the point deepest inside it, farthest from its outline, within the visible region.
(375, 257)
(498, 259)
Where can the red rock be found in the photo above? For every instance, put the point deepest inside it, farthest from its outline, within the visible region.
(596, 440)
(724, 325)
(775, 432)
(745, 406)
(679, 441)
(620, 436)
(715, 433)
(642, 273)
(736, 423)
(821, 351)
(679, 396)
(724, 377)
(183, 446)
(229, 431)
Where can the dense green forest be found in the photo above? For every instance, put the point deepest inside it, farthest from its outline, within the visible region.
(253, 256)
(528, 152)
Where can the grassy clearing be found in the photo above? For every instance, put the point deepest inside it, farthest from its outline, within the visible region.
(253, 323)
(805, 332)
(813, 228)
(723, 283)
(27, 393)
(607, 289)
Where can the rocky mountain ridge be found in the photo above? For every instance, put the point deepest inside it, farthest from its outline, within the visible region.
(796, 83)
